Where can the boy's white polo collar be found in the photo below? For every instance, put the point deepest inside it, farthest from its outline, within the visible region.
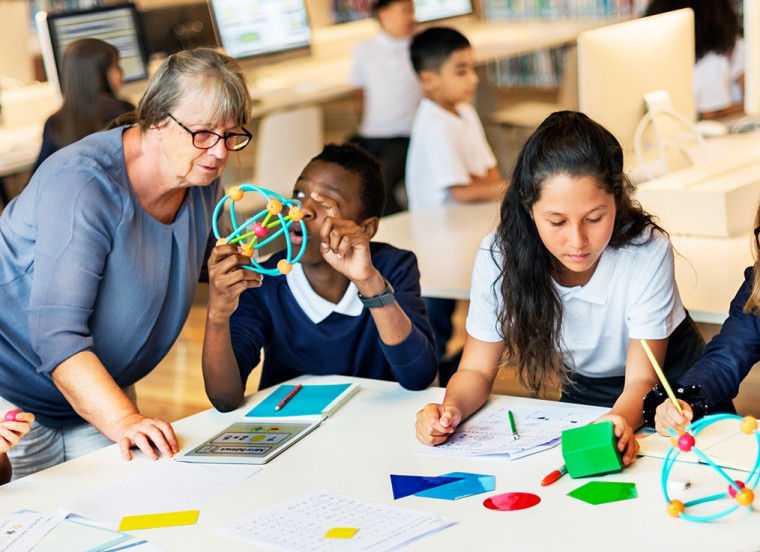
(598, 288)
(318, 308)
(395, 42)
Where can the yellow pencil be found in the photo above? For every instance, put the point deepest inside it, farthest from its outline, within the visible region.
(661, 375)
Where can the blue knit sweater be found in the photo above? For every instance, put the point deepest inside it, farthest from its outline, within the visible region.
(269, 317)
(731, 354)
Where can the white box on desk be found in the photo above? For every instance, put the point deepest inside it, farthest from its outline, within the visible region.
(717, 198)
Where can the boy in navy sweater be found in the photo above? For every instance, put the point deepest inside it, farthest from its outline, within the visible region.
(349, 307)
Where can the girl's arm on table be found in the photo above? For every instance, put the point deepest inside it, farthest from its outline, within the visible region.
(468, 390)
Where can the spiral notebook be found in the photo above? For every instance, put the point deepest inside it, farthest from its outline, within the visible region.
(310, 403)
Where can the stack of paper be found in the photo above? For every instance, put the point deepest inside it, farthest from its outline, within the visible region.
(488, 431)
(311, 523)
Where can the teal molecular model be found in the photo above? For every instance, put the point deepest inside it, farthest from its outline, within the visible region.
(740, 493)
(263, 227)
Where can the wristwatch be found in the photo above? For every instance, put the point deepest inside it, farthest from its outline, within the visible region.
(385, 298)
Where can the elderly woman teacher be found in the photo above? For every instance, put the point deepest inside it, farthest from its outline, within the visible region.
(99, 260)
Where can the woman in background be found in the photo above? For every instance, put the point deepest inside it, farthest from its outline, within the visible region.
(91, 80)
(719, 54)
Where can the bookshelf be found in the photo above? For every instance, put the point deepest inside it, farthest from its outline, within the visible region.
(543, 69)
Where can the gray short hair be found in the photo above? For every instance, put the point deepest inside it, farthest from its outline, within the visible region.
(201, 68)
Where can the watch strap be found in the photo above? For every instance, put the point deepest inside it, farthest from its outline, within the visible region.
(386, 297)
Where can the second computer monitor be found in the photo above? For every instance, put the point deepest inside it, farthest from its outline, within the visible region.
(249, 28)
(619, 64)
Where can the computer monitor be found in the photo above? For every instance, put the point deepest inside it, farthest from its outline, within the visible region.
(250, 28)
(432, 10)
(169, 29)
(118, 25)
(619, 64)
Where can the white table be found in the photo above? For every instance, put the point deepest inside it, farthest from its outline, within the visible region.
(371, 437)
(446, 238)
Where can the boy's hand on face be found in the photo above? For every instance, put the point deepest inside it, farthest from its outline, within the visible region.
(227, 281)
(344, 244)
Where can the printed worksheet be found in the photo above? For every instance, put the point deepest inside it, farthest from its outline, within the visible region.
(311, 522)
(488, 431)
(20, 532)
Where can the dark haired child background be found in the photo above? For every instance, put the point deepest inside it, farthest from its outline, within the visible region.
(449, 157)
(390, 93)
(350, 306)
(91, 81)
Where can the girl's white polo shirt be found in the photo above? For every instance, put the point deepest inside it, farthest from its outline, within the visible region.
(632, 295)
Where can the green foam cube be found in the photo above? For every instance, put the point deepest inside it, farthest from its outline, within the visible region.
(591, 450)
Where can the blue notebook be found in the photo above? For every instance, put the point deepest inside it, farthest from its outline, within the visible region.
(315, 402)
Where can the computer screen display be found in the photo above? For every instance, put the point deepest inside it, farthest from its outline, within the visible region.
(117, 25)
(431, 10)
(248, 28)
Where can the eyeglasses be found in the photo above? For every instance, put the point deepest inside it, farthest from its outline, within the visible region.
(205, 139)
(757, 236)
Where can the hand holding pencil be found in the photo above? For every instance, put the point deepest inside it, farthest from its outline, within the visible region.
(674, 413)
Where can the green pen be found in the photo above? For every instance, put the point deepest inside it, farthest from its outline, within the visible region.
(515, 435)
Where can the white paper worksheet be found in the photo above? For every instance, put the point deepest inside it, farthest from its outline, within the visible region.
(157, 487)
(488, 430)
(303, 523)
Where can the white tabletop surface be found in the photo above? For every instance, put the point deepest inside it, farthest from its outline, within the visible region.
(371, 437)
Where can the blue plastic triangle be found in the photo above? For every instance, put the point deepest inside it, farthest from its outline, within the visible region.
(470, 484)
(405, 485)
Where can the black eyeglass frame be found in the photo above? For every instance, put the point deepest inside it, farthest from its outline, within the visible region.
(756, 231)
(194, 133)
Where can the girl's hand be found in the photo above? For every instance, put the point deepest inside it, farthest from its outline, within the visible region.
(436, 422)
(11, 431)
(667, 416)
(627, 443)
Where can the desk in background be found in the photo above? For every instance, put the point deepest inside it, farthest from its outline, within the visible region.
(24, 111)
(445, 239)
(371, 437)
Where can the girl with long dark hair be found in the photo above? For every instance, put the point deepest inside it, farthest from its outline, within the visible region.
(573, 277)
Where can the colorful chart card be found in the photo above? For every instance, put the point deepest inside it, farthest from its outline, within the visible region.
(250, 442)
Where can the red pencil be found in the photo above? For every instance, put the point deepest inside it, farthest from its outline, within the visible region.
(292, 394)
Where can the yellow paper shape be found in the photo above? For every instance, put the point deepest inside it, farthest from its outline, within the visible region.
(341, 532)
(151, 521)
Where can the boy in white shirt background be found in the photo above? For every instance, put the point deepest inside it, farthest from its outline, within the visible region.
(390, 94)
(449, 157)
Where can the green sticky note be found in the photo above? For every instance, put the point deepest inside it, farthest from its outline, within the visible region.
(602, 492)
(151, 521)
(341, 532)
